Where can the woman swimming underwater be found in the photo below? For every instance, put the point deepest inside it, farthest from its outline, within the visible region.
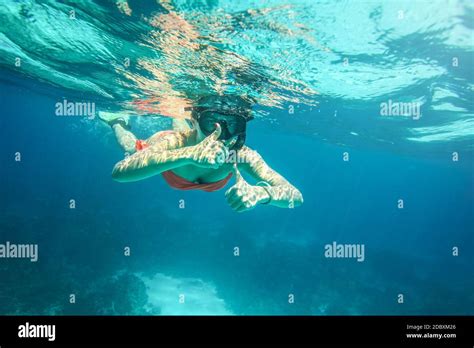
(205, 157)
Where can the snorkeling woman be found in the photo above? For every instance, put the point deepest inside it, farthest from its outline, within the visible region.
(205, 156)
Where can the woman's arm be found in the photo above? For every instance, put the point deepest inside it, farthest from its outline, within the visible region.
(275, 189)
(169, 153)
(149, 162)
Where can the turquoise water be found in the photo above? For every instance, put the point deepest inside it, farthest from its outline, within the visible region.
(319, 74)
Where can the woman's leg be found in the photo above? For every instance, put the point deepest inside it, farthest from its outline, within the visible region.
(118, 121)
(126, 139)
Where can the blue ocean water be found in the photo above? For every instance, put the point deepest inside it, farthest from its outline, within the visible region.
(319, 72)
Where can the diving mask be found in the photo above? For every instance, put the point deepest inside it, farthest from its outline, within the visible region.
(233, 127)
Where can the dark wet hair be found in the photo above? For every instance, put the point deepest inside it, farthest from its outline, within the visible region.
(226, 104)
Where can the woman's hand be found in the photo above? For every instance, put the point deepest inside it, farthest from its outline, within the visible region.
(243, 196)
(210, 153)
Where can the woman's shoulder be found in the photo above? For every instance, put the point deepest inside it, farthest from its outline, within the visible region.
(248, 155)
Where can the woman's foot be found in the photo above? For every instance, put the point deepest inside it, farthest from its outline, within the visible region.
(113, 118)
